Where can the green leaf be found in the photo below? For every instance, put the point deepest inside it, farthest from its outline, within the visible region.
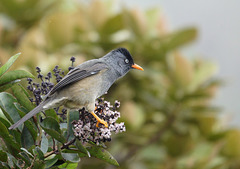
(180, 38)
(3, 156)
(17, 135)
(68, 165)
(82, 148)
(72, 157)
(25, 157)
(112, 25)
(12, 161)
(51, 113)
(44, 143)
(72, 115)
(9, 63)
(25, 150)
(5, 122)
(102, 154)
(38, 164)
(49, 163)
(13, 147)
(20, 94)
(38, 152)
(7, 86)
(26, 138)
(51, 127)
(29, 125)
(14, 75)
(7, 105)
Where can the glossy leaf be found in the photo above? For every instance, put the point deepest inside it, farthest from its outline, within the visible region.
(25, 157)
(72, 157)
(8, 139)
(28, 124)
(68, 165)
(102, 154)
(44, 143)
(26, 151)
(27, 140)
(82, 148)
(17, 135)
(12, 161)
(9, 63)
(72, 115)
(7, 86)
(51, 113)
(5, 122)
(50, 162)
(14, 75)
(38, 152)
(51, 127)
(7, 104)
(20, 94)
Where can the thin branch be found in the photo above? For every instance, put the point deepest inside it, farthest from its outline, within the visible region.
(63, 147)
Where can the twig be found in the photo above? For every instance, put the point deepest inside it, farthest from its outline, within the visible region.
(64, 146)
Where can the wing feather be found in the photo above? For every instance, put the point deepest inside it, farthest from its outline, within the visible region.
(77, 74)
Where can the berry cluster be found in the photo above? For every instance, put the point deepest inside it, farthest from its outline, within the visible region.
(45, 85)
(85, 128)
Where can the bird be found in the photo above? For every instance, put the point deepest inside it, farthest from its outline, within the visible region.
(85, 83)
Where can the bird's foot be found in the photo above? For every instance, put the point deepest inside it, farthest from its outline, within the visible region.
(102, 122)
(99, 120)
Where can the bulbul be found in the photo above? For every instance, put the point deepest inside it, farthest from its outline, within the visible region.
(85, 83)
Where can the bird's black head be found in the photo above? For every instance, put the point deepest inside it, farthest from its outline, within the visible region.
(121, 61)
(126, 55)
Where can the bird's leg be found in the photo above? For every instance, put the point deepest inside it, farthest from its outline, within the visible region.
(99, 120)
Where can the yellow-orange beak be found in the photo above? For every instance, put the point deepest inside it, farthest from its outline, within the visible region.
(135, 66)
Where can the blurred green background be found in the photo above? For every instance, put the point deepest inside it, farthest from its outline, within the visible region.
(167, 109)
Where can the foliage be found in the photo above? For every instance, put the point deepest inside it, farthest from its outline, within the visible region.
(170, 120)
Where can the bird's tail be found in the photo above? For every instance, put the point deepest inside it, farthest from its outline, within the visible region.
(27, 116)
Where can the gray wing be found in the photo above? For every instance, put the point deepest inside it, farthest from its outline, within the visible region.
(78, 73)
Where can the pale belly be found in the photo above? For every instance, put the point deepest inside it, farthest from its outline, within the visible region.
(83, 93)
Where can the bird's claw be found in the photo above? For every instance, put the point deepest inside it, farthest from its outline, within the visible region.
(99, 120)
(102, 122)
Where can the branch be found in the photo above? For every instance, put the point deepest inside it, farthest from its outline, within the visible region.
(64, 146)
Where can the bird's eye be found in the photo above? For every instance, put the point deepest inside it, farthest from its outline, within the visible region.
(126, 61)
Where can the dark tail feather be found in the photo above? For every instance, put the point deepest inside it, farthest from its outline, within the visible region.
(27, 116)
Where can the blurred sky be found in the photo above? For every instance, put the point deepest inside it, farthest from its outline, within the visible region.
(219, 40)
